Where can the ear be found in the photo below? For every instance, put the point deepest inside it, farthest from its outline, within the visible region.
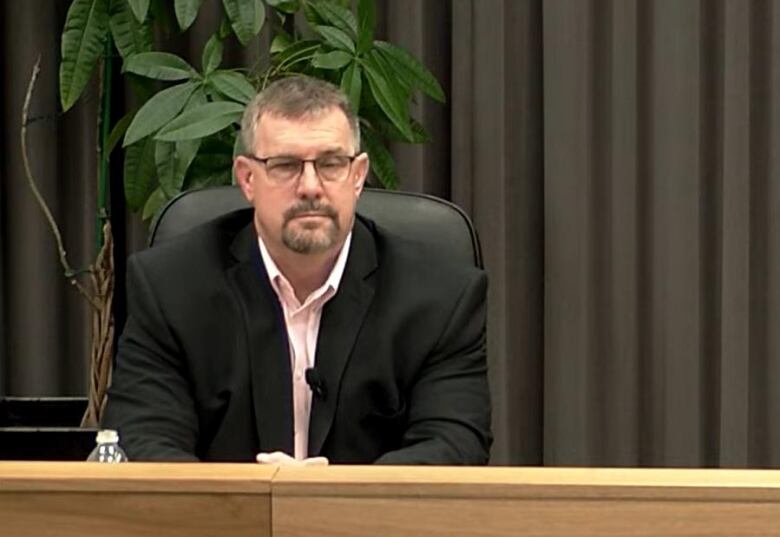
(360, 171)
(242, 171)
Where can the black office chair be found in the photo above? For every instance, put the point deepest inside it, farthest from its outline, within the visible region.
(440, 225)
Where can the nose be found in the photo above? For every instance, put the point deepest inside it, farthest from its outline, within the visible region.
(309, 184)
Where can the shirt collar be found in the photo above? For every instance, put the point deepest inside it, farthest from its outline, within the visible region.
(332, 282)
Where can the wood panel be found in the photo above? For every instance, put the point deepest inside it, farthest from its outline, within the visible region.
(135, 476)
(398, 502)
(405, 517)
(69, 499)
(126, 514)
(77, 499)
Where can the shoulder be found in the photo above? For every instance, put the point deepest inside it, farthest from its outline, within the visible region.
(422, 297)
(205, 245)
(405, 262)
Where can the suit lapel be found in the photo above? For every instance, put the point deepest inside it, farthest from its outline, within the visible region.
(342, 318)
(267, 345)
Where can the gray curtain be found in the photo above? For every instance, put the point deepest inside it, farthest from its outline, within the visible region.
(45, 324)
(621, 161)
(662, 266)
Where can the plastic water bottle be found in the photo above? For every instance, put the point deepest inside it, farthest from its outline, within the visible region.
(107, 448)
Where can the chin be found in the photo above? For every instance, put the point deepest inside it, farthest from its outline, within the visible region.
(310, 237)
(309, 242)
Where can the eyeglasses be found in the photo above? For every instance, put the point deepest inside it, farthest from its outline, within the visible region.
(284, 170)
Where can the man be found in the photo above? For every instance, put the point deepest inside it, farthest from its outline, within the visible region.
(296, 331)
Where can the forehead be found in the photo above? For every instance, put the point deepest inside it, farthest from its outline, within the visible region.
(328, 129)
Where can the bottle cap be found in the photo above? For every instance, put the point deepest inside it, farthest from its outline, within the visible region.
(107, 436)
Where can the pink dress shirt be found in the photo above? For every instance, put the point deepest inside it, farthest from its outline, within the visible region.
(303, 327)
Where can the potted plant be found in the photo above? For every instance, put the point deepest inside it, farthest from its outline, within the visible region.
(184, 133)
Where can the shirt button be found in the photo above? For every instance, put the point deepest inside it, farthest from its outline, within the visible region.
(298, 375)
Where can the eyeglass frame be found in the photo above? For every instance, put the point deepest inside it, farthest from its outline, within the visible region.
(303, 161)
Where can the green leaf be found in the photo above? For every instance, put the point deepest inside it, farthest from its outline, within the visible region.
(172, 160)
(233, 86)
(382, 164)
(403, 87)
(213, 164)
(387, 95)
(299, 51)
(140, 9)
(366, 23)
(215, 178)
(387, 130)
(336, 38)
(421, 135)
(412, 70)
(159, 65)
(212, 94)
(335, 15)
(312, 14)
(158, 111)
(352, 85)
(259, 15)
(118, 131)
(186, 12)
(331, 60)
(86, 28)
(165, 160)
(139, 173)
(154, 203)
(281, 41)
(198, 98)
(285, 6)
(130, 36)
(212, 54)
(201, 121)
(246, 17)
(216, 151)
(224, 29)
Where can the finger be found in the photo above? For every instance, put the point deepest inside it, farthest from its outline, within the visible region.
(277, 457)
(316, 461)
(263, 458)
(280, 457)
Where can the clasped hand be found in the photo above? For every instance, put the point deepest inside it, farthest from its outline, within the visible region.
(283, 459)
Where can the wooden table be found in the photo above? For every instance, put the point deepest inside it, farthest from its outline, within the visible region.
(524, 502)
(65, 499)
(135, 499)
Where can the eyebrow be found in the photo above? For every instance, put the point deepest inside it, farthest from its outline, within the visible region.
(326, 153)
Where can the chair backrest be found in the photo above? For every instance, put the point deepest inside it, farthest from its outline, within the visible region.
(437, 223)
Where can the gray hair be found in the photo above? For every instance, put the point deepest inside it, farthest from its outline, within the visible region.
(296, 97)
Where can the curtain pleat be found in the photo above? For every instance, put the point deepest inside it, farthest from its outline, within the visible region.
(659, 207)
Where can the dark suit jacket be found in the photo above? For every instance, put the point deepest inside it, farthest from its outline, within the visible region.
(203, 371)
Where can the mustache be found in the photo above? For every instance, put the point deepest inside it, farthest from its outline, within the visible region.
(309, 206)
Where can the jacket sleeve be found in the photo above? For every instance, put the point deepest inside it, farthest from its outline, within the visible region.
(449, 403)
(150, 401)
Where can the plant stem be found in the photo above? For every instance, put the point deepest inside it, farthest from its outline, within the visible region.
(69, 272)
(104, 121)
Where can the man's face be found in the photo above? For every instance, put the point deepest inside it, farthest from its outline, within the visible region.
(306, 214)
